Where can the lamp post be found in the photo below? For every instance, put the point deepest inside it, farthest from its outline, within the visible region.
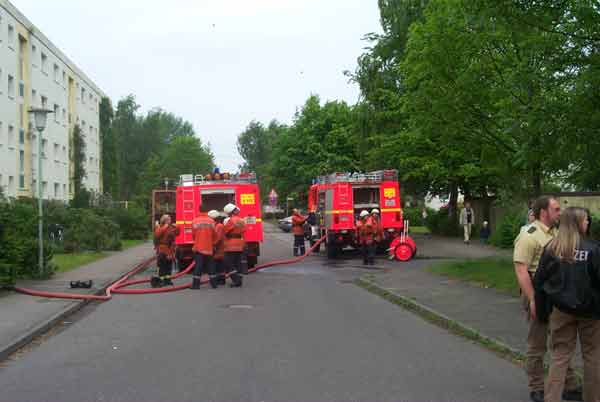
(39, 116)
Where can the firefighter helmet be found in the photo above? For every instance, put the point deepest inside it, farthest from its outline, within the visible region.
(213, 214)
(375, 211)
(230, 208)
(364, 213)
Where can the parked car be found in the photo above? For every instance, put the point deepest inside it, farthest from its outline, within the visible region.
(285, 224)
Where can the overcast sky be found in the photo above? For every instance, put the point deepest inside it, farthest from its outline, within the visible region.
(218, 63)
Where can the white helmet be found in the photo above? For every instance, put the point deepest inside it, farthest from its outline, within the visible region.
(364, 213)
(213, 214)
(375, 211)
(229, 208)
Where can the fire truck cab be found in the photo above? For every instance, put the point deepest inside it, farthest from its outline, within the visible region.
(198, 194)
(339, 198)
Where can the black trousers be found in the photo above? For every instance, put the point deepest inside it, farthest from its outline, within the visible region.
(233, 261)
(203, 265)
(219, 266)
(165, 265)
(299, 248)
(368, 253)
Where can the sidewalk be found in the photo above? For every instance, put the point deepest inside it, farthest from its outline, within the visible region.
(25, 317)
(485, 315)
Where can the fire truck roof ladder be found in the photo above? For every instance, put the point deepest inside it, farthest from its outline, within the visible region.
(377, 176)
(190, 179)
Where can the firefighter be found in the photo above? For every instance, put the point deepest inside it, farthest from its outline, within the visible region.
(219, 248)
(378, 226)
(298, 231)
(164, 238)
(234, 244)
(366, 237)
(203, 231)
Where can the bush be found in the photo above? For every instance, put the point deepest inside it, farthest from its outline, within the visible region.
(85, 229)
(132, 221)
(19, 239)
(595, 228)
(414, 216)
(507, 229)
(441, 223)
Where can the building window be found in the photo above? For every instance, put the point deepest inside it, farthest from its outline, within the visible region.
(11, 136)
(44, 63)
(11, 86)
(56, 113)
(56, 69)
(21, 162)
(64, 116)
(64, 190)
(56, 150)
(33, 51)
(22, 181)
(11, 184)
(21, 136)
(21, 89)
(44, 189)
(64, 79)
(83, 95)
(56, 190)
(11, 36)
(44, 102)
(33, 96)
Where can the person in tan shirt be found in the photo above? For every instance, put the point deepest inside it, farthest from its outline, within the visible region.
(529, 246)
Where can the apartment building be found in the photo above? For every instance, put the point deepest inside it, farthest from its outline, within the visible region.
(35, 73)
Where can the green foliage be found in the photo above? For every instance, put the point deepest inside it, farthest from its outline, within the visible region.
(110, 160)
(19, 239)
(78, 160)
(595, 228)
(508, 229)
(133, 222)
(87, 230)
(414, 216)
(443, 223)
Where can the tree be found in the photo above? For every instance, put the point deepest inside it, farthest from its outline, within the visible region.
(110, 160)
(80, 194)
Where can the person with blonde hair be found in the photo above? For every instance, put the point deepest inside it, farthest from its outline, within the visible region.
(567, 293)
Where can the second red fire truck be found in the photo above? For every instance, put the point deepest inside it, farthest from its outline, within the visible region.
(339, 198)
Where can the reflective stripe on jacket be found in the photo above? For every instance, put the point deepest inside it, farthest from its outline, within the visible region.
(203, 231)
(234, 234)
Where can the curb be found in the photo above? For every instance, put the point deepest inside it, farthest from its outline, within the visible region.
(430, 315)
(23, 340)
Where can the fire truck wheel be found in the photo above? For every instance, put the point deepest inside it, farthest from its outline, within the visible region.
(332, 250)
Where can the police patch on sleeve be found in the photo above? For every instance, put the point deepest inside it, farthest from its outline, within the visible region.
(531, 230)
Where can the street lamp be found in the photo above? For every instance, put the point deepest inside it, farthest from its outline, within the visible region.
(40, 116)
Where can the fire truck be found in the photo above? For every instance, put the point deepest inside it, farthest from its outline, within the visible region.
(339, 198)
(197, 194)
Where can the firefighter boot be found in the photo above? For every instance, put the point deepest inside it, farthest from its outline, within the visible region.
(213, 281)
(295, 251)
(236, 280)
(155, 282)
(196, 283)
(167, 281)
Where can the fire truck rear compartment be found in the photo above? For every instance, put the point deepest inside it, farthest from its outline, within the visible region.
(365, 198)
(216, 199)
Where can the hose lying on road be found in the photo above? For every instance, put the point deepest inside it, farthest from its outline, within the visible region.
(119, 285)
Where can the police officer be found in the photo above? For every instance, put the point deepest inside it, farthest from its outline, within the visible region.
(529, 246)
(219, 256)
(203, 231)
(567, 290)
(234, 243)
(366, 237)
(298, 231)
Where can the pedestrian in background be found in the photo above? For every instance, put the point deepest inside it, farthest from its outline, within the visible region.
(485, 232)
(467, 219)
(567, 290)
(529, 246)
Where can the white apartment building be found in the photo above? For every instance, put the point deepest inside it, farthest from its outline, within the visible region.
(34, 73)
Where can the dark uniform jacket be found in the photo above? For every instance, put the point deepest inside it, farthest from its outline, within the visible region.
(571, 287)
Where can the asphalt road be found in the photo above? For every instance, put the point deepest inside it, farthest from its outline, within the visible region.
(297, 333)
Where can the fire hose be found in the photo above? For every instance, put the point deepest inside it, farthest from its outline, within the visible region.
(118, 287)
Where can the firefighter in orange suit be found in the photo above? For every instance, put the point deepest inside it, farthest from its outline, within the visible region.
(203, 231)
(366, 237)
(298, 231)
(164, 238)
(376, 218)
(234, 244)
(219, 256)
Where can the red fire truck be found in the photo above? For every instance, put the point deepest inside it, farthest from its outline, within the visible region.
(202, 193)
(339, 198)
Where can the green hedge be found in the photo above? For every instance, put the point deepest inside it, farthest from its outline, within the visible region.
(507, 229)
(441, 223)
